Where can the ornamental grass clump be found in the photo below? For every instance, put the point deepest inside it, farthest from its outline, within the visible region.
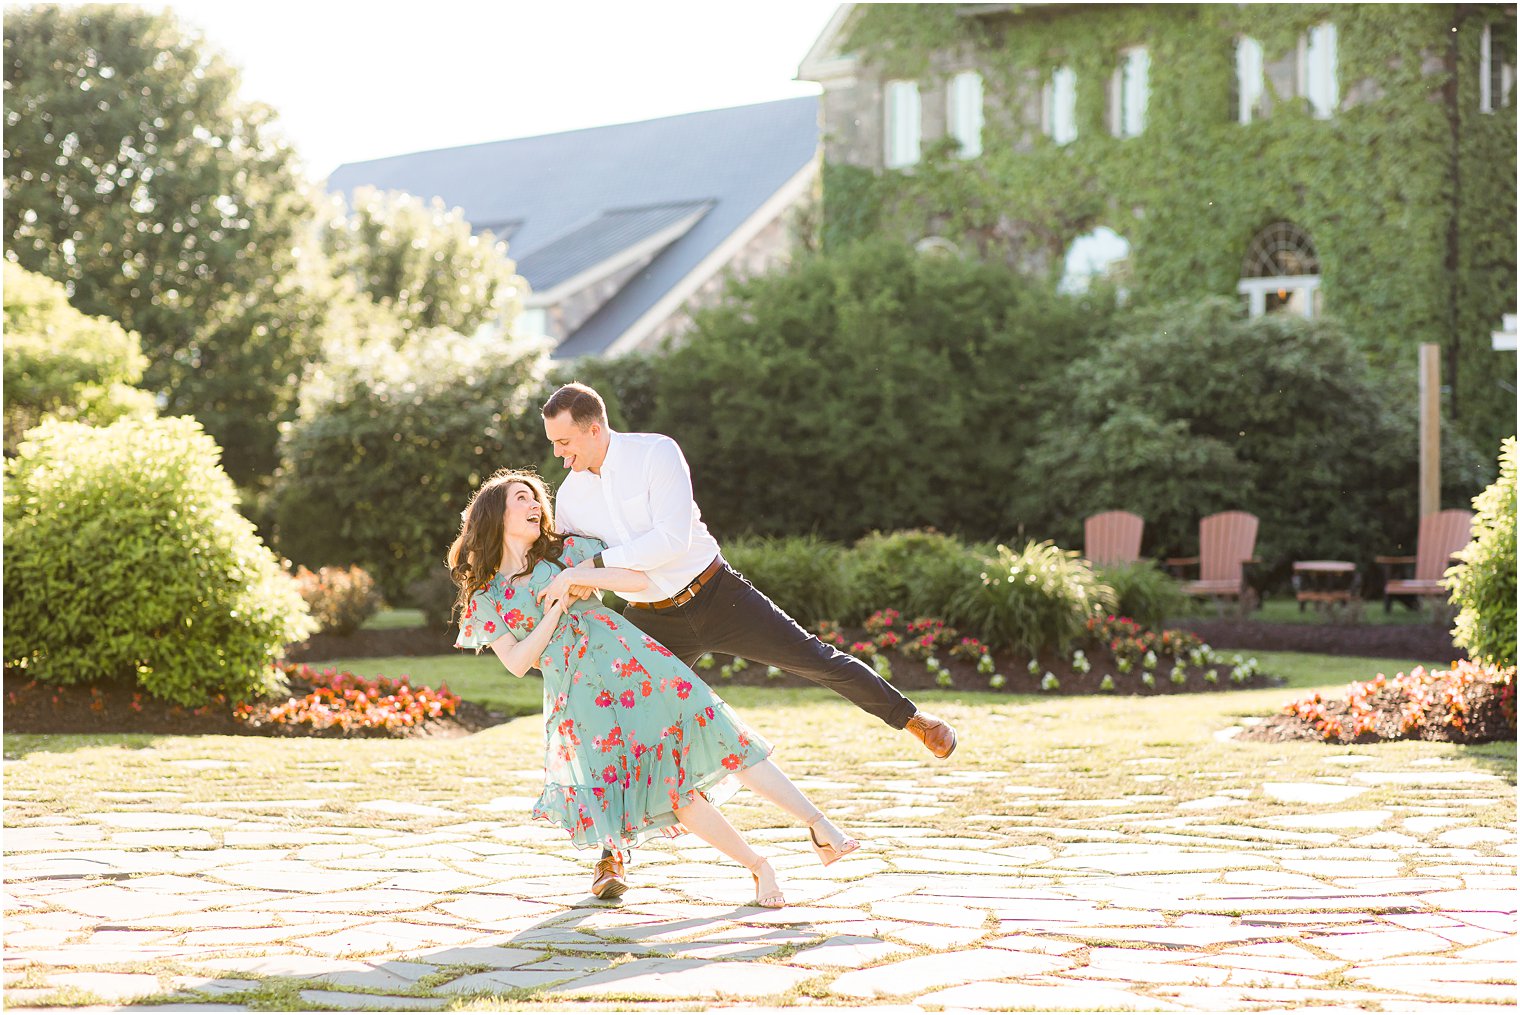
(126, 561)
(1035, 598)
(1483, 583)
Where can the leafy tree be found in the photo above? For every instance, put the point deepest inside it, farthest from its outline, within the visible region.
(420, 260)
(873, 388)
(62, 364)
(1195, 409)
(392, 437)
(136, 175)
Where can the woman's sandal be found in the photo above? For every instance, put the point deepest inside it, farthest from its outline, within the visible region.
(827, 854)
(770, 900)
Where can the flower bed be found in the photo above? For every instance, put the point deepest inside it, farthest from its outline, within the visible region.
(1469, 703)
(347, 705)
(1118, 656)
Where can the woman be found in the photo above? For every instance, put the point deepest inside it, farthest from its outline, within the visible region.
(637, 745)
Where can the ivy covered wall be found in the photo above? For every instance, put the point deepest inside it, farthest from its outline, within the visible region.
(1408, 191)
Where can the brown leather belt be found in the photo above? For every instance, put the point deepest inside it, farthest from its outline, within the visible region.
(687, 594)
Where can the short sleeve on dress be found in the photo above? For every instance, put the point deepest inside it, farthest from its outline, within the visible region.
(481, 624)
(579, 549)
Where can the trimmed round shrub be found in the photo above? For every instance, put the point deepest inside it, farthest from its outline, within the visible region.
(1033, 599)
(1144, 593)
(1483, 584)
(916, 571)
(126, 560)
(340, 599)
(804, 575)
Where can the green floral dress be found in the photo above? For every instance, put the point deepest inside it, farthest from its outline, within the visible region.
(631, 733)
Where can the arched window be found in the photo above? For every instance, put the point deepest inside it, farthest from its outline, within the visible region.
(1281, 272)
(1100, 254)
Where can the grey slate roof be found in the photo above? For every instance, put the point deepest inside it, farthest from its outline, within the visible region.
(558, 184)
(601, 238)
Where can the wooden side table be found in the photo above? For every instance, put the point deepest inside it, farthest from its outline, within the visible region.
(1325, 581)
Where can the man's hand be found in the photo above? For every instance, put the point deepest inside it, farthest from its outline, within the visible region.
(562, 588)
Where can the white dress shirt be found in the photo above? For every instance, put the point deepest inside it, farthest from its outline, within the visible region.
(641, 507)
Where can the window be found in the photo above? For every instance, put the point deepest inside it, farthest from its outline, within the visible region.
(903, 124)
(1250, 80)
(966, 112)
(1131, 92)
(1100, 254)
(1496, 75)
(1317, 81)
(1281, 272)
(1061, 106)
(533, 322)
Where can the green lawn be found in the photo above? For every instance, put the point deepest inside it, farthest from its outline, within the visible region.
(388, 620)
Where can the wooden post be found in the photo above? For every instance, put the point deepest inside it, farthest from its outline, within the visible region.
(1430, 429)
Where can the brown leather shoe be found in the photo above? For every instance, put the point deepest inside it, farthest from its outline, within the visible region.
(609, 880)
(934, 732)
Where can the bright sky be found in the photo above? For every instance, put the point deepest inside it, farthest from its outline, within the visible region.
(360, 81)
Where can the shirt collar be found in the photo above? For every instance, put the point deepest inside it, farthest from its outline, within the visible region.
(609, 463)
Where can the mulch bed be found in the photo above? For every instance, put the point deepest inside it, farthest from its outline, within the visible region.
(31, 707)
(1378, 641)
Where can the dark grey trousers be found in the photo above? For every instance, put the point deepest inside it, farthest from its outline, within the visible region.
(732, 617)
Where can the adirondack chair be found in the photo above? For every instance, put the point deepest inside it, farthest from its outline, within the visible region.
(1113, 537)
(1226, 546)
(1442, 534)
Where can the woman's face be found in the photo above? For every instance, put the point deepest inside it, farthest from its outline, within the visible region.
(524, 512)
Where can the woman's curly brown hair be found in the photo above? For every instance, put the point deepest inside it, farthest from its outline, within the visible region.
(475, 555)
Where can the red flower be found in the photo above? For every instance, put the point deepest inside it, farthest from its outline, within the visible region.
(683, 688)
(628, 699)
(490, 626)
(604, 699)
(646, 688)
(731, 762)
(609, 774)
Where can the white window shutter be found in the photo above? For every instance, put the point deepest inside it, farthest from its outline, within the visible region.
(966, 117)
(903, 124)
(1250, 73)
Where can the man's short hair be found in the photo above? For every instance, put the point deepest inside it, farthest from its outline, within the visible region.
(581, 401)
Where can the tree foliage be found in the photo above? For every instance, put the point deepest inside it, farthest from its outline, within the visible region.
(136, 175)
(870, 389)
(1194, 409)
(420, 260)
(391, 439)
(60, 363)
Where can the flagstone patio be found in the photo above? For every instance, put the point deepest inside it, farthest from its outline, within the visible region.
(202, 906)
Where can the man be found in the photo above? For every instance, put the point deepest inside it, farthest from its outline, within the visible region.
(633, 492)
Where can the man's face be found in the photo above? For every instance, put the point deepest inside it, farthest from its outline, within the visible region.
(578, 447)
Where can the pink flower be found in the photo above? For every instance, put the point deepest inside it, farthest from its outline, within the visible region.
(604, 699)
(628, 698)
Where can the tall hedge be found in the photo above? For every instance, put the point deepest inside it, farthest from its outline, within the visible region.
(125, 560)
(61, 363)
(1483, 583)
(875, 388)
(389, 443)
(1195, 409)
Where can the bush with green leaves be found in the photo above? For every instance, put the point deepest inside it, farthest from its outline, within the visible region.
(64, 365)
(804, 575)
(1036, 598)
(1144, 593)
(126, 560)
(872, 388)
(390, 442)
(916, 571)
(1482, 584)
(1195, 409)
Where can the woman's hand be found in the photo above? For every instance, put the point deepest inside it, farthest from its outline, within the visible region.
(563, 588)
